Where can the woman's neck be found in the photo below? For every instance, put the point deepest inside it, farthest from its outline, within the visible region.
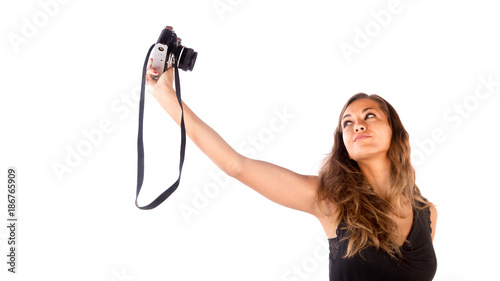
(378, 174)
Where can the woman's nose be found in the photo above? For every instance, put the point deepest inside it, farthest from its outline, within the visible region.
(359, 127)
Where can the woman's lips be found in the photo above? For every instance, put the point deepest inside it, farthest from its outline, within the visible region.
(361, 137)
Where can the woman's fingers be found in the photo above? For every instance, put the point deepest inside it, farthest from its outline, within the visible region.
(150, 62)
(149, 71)
(150, 76)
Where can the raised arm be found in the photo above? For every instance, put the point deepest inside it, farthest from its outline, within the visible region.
(278, 184)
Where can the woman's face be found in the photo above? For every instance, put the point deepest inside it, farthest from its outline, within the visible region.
(366, 130)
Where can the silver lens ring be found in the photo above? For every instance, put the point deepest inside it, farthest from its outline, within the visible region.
(180, 56)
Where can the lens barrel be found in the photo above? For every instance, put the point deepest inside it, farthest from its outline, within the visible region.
(186, 58)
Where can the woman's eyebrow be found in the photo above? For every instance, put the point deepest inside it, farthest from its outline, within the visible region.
(347, 115)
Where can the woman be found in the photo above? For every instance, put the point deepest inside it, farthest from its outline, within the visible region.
(379, 225)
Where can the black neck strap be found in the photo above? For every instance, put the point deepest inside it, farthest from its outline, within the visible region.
(140, 145)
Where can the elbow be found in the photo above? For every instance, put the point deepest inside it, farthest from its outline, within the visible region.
(234, 168)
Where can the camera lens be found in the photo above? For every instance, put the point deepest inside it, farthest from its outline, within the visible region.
(187, 58)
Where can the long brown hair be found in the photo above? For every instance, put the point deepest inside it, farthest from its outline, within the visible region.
(365, 214)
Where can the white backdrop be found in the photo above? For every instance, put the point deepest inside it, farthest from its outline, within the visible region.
(271, 78)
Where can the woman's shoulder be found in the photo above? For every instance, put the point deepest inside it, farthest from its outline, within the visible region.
(431, 214)
(433, 218)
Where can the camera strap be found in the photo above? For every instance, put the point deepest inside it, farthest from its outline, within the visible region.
(140, 145)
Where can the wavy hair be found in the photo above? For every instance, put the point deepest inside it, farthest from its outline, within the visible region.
(364, 214)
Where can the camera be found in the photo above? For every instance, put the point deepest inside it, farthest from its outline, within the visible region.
(168, 52)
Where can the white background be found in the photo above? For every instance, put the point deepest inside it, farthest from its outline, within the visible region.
(80, 65)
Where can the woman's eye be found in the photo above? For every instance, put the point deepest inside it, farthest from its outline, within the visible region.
(347, 123)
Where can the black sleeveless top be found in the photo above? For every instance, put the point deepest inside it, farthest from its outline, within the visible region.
(419, 261)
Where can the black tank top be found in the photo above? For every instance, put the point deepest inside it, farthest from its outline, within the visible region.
(419, 261)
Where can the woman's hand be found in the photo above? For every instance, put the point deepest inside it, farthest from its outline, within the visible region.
(161, 87)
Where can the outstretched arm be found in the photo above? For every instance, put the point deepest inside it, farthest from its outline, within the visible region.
(278, 184)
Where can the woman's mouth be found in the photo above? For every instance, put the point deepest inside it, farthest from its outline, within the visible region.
(361, 137)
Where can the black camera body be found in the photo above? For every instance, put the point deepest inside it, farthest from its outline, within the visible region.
(169, 52)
